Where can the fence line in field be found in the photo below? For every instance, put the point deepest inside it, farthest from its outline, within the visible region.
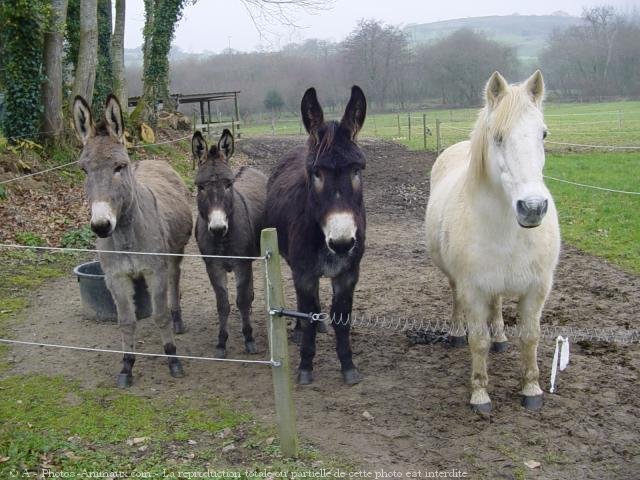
(142, 354)
(279, 354)
(594, 187)
(58, 167)
(440, 328)
(126, 252)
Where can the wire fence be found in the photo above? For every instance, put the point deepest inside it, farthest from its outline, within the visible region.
(68, 164)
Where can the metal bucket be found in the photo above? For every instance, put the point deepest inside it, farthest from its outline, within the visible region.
(97, 302)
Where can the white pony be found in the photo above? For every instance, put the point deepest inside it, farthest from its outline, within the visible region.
(492, 228)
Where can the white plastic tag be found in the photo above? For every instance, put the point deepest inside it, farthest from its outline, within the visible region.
(562, 350)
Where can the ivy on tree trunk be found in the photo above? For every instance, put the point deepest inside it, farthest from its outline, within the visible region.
(160, 22)
(22, 25)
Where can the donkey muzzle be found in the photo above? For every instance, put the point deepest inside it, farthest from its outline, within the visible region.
(218, 223)
(531, 211)
(340, 232)
(103, 220)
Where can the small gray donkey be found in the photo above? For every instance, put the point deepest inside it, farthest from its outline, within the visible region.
(231, 216)
(136, 207)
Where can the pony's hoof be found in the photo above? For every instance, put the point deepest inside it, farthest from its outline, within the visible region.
(457, 342)
(221, 352)
(500, 347)
(352, 376)
(125, 380)
(482, 408)
(176, 370)
(178, 324)
(321, 327)
(305, 377)
(297, 336)
(533, 403)
(250, 347)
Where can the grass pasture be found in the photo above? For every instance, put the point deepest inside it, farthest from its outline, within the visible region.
(602, 223)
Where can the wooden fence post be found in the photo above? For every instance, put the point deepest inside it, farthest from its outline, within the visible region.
(438, 140)
(424, 130)
(282, 387)
(399, 131)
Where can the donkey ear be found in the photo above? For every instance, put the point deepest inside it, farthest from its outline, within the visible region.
(312, 115)
(113, 118)
(199, 147)
(226, 144)
(82, 120)
(535, 87)
(496, 86)
(355, 112)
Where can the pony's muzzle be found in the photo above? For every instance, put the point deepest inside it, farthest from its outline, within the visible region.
(531, 211)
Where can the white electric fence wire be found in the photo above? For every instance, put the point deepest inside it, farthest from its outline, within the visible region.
(38, 173)
(126, 252)
(73, 163)
(594, 187)
(123, 352)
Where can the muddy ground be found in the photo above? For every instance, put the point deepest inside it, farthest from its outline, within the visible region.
(416, 395)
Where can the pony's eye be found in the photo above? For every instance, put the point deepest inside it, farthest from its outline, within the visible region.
(318, 181)
(227, 185)
(544, 134)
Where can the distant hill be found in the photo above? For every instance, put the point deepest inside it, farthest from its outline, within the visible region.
(528, 33)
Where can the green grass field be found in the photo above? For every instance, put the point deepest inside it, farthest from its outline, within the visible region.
(602, 223)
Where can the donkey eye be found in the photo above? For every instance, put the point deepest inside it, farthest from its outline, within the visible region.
(200, 188)
(119, 169)
(544, 134)
(498, 140)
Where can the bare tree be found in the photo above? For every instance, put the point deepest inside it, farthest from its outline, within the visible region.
(88, 53)
(52, 60)
(117, 52)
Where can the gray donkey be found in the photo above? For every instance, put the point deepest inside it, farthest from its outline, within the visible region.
(230, 217)
(138, 207)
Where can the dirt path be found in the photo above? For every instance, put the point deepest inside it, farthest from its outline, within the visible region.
(417, 395)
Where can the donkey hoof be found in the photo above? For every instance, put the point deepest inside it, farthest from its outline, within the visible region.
(250, 347)
(297, 336)
(483, 408)
(352, 376)
(533, 402)
(457, 342)
(176, 370)
(305, 377)
(321, 327)
(179, 328)
(500, 347)
(125, 380)
(221, 352)
(178, 324)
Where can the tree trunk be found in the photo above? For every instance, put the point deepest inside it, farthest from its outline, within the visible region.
(117, 51)
(52, 87)
(88, 55)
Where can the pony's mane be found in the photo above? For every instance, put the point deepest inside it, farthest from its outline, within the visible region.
(497, 121)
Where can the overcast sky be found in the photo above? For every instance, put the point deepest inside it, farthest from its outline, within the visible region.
(213, 24)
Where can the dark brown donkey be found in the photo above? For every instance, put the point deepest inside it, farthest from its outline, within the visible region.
(314, 199)
(136, 207)
(230, 218)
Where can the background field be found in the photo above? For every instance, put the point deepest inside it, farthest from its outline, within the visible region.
(602, 223)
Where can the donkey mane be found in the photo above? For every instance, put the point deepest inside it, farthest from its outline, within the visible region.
(333, 136)
(495, 122)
